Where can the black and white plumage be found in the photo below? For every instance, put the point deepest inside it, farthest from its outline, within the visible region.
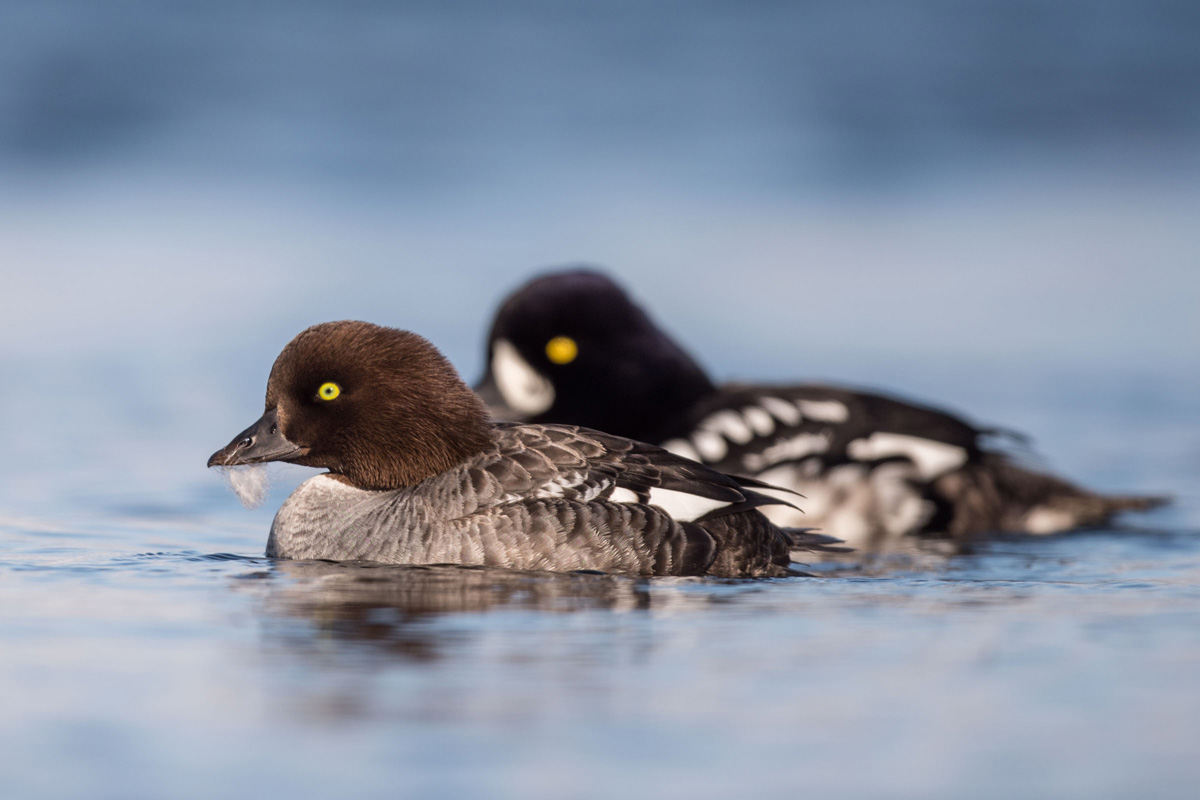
(419, 475)
(573, 347)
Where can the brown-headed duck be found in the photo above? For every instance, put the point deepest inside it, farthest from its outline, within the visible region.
(418, 473)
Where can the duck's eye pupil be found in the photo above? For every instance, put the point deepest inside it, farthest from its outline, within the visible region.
(562, 350)
(329, 391)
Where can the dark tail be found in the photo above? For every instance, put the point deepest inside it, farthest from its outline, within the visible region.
(809, 539)
(997, 495)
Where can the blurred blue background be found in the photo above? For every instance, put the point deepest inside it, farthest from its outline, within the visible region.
(953, 200)
(991, 206)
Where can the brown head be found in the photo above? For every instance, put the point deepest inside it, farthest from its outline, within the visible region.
(379, 406)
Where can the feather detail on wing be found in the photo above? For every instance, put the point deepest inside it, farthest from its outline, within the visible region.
(751, 429)
(578, 464)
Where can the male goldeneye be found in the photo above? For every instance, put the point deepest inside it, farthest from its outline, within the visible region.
(419, 474)
(572, 347)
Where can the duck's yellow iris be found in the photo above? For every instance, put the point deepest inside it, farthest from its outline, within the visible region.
(329, 391)
(562, 350)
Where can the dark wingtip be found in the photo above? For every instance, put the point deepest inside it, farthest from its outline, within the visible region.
(809, 539)
(1140, 502)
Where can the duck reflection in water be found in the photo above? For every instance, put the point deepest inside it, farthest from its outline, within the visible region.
(393, 607)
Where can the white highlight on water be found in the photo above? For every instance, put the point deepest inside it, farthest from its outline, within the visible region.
(249, 482)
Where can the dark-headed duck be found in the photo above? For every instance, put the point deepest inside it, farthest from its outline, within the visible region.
(419, 474)
(572, 347)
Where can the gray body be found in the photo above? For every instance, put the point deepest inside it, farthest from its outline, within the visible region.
(545, 498)
(443, 521)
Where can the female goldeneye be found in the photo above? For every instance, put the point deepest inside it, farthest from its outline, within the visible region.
(419, 474)
(572, 347)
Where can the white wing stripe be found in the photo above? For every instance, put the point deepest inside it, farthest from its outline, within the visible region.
(758, 419)
(798, 446)
(622, 495)
(711, 446)
(681, 447)
(781, 409)
(930, 457)
(683, 506)
(728, 424)
(824, 410)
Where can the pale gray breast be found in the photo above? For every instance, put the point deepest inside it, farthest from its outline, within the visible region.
(328, 519)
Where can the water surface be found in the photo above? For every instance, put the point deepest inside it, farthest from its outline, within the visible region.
(1061, 668)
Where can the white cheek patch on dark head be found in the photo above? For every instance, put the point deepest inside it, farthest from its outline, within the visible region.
(522, 387)
(249, 483)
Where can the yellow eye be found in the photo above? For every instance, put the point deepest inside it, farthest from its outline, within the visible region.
(329, 391)
(562, 349)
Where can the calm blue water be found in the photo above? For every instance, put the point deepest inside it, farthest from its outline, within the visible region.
(990, 206)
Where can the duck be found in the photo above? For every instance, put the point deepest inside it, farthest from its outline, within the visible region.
(572, 346)
(417, 472)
